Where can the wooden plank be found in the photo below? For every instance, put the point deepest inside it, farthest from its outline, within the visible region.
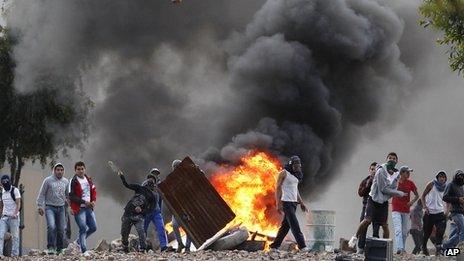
(195, 203)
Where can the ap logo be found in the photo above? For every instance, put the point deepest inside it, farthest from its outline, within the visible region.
(452, 251)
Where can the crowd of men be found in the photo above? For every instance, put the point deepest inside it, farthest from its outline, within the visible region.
(425, 216)
(57, 194)
(58, 197)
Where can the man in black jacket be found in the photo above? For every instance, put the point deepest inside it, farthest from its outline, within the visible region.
(454, 194)
(363, 191)
(141, 203)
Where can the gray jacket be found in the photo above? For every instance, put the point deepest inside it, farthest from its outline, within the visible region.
(382, 189)
(53, 192)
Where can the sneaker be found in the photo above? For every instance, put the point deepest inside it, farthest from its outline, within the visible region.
(51, 251)
(360, 251)
(306, 249)
(353, 242)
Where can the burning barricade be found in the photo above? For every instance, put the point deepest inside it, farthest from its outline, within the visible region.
(239, 198)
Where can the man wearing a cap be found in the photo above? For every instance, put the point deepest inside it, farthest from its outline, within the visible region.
(287, 199)
(155, 215)
(401, 207)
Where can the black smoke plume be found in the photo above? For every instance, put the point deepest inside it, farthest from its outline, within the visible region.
(215, 79)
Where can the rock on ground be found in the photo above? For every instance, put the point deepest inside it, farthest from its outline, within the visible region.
(222, 255)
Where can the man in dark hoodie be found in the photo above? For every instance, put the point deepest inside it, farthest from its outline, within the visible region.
(287, 199)
(364, 189)
(454, 194)
(144, 201)
(434, 210)
(156, 216)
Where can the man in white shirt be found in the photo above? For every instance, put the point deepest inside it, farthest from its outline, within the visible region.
(10, 205)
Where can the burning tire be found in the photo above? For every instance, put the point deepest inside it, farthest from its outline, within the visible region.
(232, 240)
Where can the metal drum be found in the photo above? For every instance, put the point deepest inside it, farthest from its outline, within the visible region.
(321, 228)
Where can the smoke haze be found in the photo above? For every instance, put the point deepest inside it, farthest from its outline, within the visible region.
(327, 79)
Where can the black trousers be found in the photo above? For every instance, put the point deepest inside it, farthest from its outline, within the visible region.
(375, 226)
(437, 220)
(127, 223)
(290, 222)
(417, 236)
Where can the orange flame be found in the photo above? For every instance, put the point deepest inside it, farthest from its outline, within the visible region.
(249, 190)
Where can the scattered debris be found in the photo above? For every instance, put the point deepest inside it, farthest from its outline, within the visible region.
(344, 246)
(116, 244)
(231, 240)
(102, 246)
(72, 249)
(225, 255)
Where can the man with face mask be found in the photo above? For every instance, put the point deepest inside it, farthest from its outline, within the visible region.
(384, 186)
(454, 194)
(287, 199)
(144, 201)
(10, 204)
(51, 201)
(155, 216)
(434, 210)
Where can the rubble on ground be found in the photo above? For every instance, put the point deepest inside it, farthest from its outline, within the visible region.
(220, 255)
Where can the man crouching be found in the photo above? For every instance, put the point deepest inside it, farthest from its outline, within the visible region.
(141, 203)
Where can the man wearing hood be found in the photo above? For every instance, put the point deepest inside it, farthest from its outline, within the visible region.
(10, 204)
(384, 186)
(287, 199)
(155, 216)
(454, 194)
(434, 211)
(144, 201)
(51, 201)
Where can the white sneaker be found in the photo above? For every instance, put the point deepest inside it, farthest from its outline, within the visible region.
(306, 249)
(360, 251)
(353, 242)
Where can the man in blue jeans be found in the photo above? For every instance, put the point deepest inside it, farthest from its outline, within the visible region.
(52, 200)
(10, 204)
(155, 216)
(83, 195)
(454, 194)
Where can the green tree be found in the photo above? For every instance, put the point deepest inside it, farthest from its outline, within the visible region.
(39, 124)
(447, 16)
